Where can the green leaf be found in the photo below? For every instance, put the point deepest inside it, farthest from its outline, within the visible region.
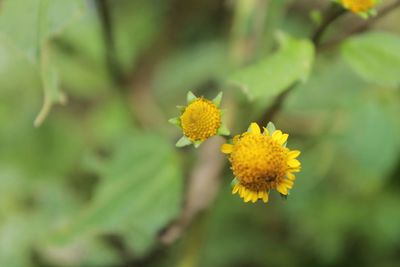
(267, 78)
(375, 57)
(29, 25)
(139, 193)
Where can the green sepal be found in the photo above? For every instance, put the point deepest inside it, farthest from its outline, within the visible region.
(217, 100)
(271, 128)
(372, 12)
(181, 108)
(223, 130)
(184, 141)
(190, 97)
(234, 182)
(363, 15)
(175, 121)
(196, 144)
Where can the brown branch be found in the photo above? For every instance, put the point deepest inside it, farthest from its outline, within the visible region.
(202, 188)
(113, 65)
(204, 182)
(334, 12)
(332, 15)
(363, 26)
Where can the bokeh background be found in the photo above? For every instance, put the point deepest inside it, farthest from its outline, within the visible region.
(90, 176)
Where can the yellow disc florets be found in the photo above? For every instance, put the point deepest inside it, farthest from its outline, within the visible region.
(200, 119)
(357, 6)
(258, 161)
(261, 162)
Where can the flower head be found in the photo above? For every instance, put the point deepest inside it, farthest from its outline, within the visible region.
(361, 7)
(261, 162)
(199, 120)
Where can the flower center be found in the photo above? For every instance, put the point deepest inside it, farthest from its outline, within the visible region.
(258, 162)
(358, 5)
(200, 120)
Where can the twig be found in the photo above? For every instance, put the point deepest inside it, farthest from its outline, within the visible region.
(111, 58)
(363, 26)
(334, 12)
(202, 188)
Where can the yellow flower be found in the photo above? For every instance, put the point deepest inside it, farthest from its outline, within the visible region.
(261, 162)
(200, 119)
(362, 7)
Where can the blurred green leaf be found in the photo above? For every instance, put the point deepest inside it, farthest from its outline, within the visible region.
(375, 57)
(140, 192)
(80, 56)
(199, 64)
(267, 78)
(29, 25)
(136, 23)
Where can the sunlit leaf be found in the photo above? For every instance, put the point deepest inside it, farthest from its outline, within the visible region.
(270, 76)
(375, 57)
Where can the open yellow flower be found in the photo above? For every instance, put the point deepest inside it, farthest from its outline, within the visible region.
(200, 119)
(261, 162)
(361, 7)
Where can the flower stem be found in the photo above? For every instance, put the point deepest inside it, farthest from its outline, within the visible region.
(332, 14)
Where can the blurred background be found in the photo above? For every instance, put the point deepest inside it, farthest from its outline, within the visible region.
(89, 172)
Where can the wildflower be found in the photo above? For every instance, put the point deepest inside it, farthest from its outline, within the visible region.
(362, 7)
(261, 162)
(199, 120)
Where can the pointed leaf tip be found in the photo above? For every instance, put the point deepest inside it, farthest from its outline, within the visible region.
(190, 97)
(217, 100)
(223, 130)
(184, 141)
(271, 128)
(175, 121)
(197, 143)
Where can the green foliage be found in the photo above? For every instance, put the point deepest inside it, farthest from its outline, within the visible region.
(98, 184)
(133, 199)
(269, 77)
(375, 57)
(29, 26)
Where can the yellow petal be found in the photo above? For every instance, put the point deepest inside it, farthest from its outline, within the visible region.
(294, 154)
(242, 192)
(294, 169)
(282, 189)
(290, 176)
(283, 139)
(254, 128)
(261, 194)
(288, 184)
(235, 189)
(277, 135)
(248, 197)
(266, 132)
(293, 163)
(254, 197)
(226, 148)
(265, 197)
